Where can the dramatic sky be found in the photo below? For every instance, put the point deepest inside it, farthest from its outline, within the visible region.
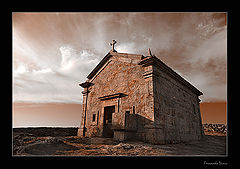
(54, 52)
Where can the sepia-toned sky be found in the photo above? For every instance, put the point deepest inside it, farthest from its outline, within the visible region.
(54, 52)
(69, 115)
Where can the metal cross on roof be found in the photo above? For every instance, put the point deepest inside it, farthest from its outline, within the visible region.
(112, 44)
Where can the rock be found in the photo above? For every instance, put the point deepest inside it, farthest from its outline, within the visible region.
(54, 140)
(127, 146)
(124, 146)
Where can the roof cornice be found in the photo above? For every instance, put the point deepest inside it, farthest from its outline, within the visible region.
(153, 60)
(100, 64)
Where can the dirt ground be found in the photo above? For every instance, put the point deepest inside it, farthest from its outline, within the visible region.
(28, 145)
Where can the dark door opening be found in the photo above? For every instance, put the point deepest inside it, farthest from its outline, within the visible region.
(107, 121)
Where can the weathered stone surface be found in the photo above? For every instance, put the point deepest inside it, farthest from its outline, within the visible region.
(156, 105)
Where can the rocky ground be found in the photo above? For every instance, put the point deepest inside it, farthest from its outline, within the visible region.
(27, 144)
(218, 128)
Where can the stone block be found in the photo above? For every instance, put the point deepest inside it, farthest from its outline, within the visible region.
(119, 135)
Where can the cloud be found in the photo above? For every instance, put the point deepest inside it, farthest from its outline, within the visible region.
(129, 47)
(208, 65)
(213, 48)
(59, 84)
(209, 85)
(43, 71)
(53, 53)
(20, 70)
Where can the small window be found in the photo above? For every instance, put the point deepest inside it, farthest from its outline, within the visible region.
(93, 117)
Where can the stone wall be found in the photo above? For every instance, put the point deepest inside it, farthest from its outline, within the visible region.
(177, 112)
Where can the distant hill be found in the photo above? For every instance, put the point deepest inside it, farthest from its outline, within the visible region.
(46, 131)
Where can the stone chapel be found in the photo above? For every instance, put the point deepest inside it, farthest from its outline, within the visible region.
(137, 97)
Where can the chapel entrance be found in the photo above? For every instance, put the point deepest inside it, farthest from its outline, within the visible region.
(107, 121)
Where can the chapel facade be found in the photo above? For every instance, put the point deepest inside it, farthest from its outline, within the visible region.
(136, 97)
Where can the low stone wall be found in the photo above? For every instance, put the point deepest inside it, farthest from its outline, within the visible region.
(219, 128)
(47, 131)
